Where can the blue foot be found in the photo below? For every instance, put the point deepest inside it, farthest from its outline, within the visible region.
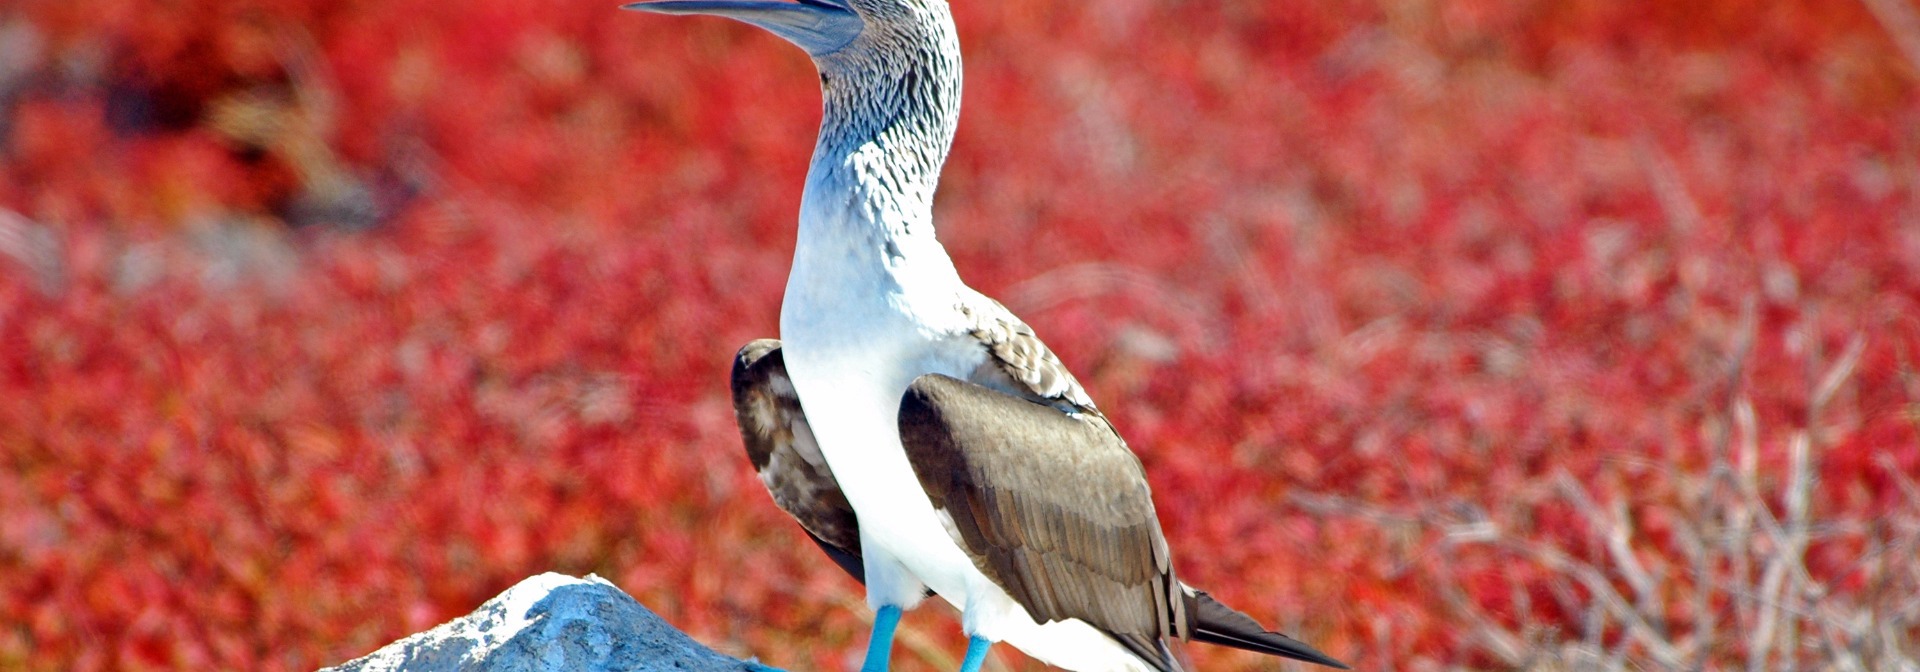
(880, 648)
(976, 654)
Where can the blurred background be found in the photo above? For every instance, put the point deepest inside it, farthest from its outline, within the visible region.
(1551, 334)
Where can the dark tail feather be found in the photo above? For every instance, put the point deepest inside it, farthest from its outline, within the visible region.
(1151, 650)
(847, 558)
(1216, 623)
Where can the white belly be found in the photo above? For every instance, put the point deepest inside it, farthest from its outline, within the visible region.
(850, 373)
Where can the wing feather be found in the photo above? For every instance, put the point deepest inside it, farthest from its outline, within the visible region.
(1018, 362)
(784, 453)
(1053, 507)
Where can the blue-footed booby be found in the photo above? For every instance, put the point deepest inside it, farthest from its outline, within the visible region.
(918, 430)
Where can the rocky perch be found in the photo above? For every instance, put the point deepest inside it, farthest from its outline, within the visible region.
(552, 622)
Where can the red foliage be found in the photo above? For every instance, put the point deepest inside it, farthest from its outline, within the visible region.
(1400, 303)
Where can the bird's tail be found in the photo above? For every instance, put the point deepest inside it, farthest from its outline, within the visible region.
(1216, 623)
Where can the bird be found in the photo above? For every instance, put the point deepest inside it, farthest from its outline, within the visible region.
(922, 434)
(786, 456)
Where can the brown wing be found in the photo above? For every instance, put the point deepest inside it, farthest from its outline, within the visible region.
(995, 530)
(784, 453)
(1052, 507)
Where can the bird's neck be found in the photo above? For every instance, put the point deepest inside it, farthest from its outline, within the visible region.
(888, 120)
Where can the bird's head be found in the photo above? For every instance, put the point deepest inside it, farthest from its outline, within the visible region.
(833, 32)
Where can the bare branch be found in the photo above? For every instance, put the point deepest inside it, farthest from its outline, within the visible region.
(1837, 375)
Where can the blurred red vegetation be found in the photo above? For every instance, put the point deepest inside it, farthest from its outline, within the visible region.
(1466, 334)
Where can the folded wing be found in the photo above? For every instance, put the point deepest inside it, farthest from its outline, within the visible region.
(784, 453)
(1053, 507)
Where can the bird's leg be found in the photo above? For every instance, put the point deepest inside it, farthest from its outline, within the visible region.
(880, 648)
(976, 654)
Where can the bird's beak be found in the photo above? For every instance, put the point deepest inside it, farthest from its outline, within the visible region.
(819, 26)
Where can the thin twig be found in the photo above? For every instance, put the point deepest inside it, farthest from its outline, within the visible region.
(1838, 374)
(1618, 541)
(1595, 581)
